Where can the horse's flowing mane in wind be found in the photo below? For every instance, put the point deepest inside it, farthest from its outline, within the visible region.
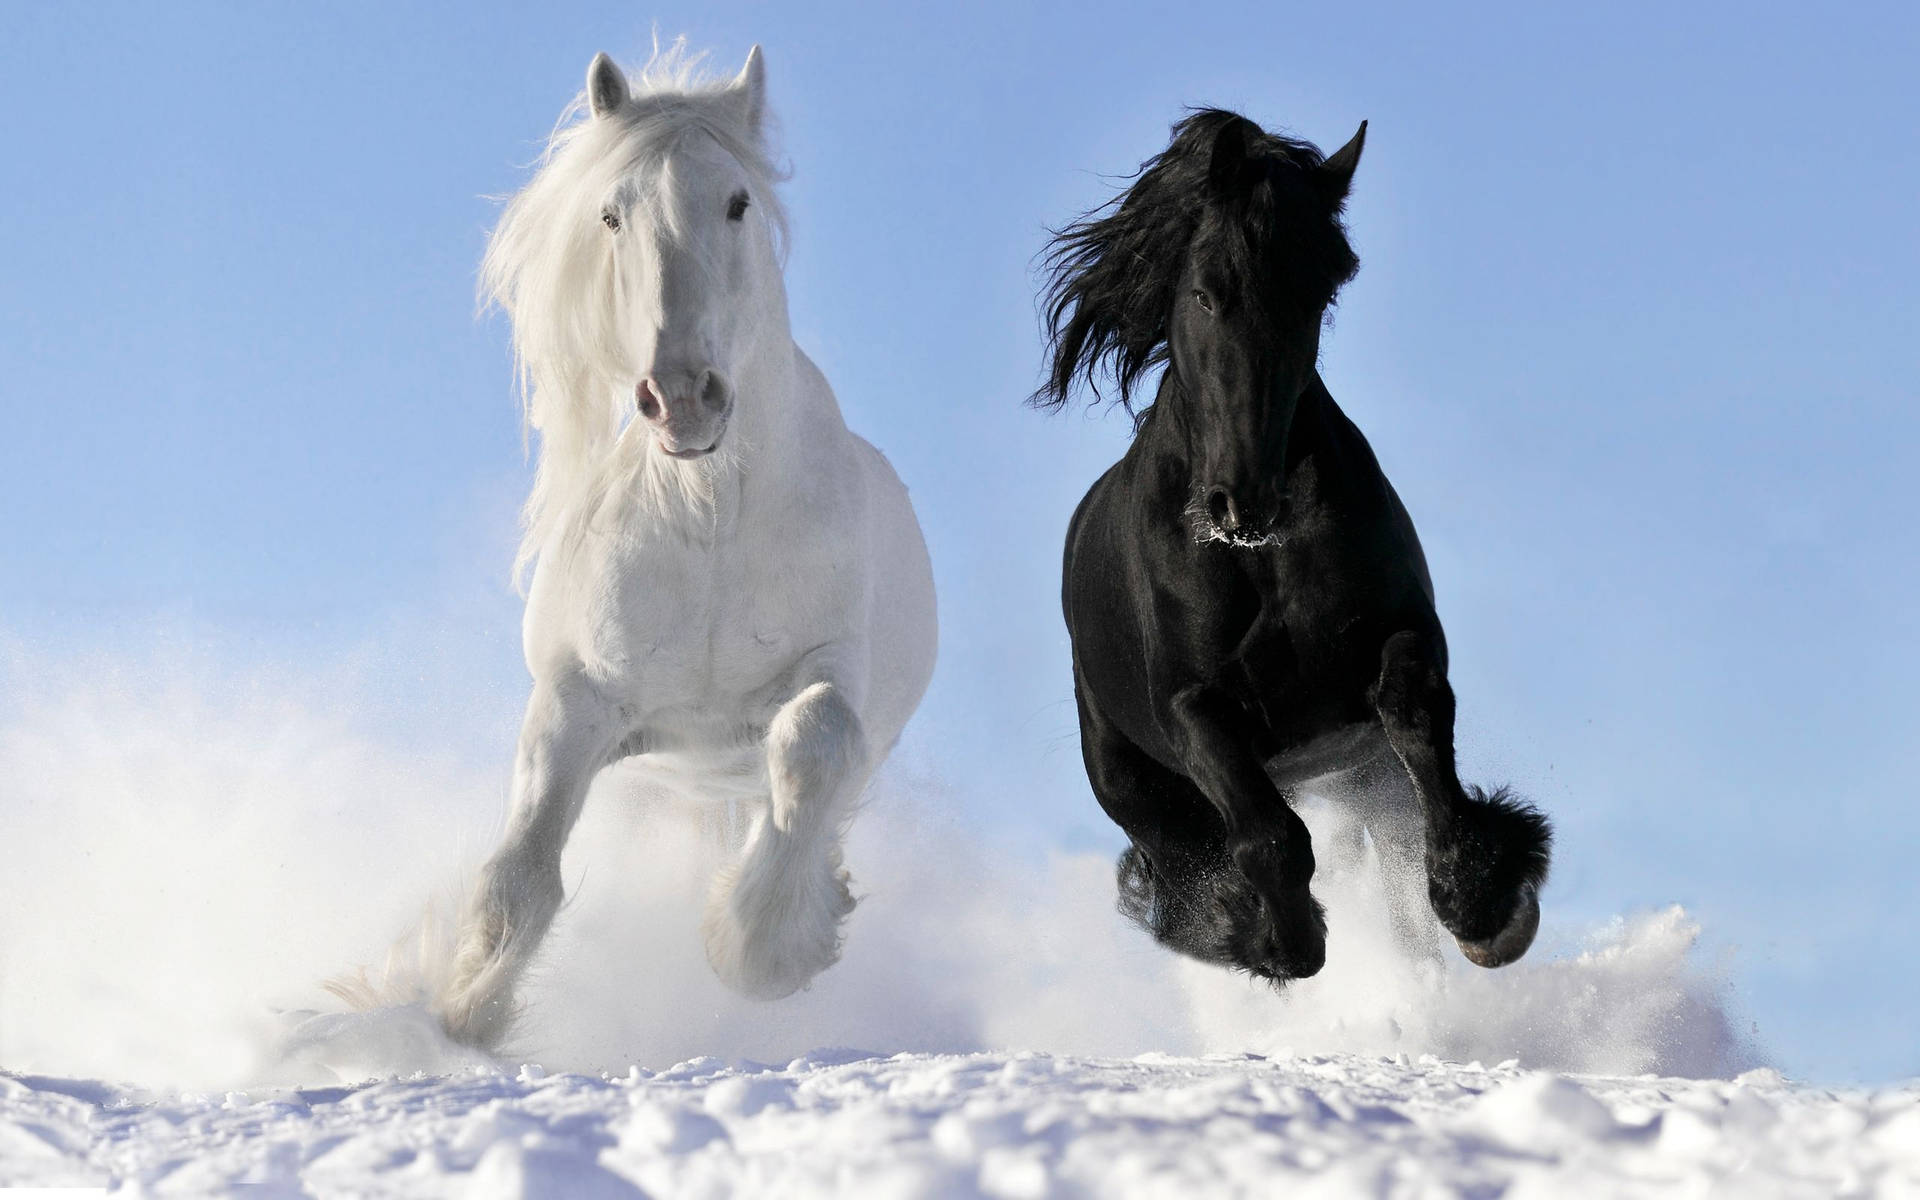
(549, 267)
(1110, 276)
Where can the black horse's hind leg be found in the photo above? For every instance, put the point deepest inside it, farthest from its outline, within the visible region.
(1487, 854)
(1181, 879)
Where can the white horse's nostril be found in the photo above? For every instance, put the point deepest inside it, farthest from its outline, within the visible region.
(648, 399)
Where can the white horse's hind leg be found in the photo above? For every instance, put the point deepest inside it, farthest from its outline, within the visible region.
(773, 922)
(564, 740)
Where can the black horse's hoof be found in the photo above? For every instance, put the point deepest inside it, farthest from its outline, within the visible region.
(1298, 962)
(1484, 876)
(1288, 938)
(1512, 942)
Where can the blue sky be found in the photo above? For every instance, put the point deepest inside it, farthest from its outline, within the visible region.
(1634, 336)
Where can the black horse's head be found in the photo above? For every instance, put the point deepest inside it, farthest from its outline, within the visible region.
(1219, 261)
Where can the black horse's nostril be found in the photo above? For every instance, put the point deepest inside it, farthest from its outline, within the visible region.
(648, 401)
(1221, 508)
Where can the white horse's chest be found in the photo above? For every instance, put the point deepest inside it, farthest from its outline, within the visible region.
(691, 622)
(683, 631)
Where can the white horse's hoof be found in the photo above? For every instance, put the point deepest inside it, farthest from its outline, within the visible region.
(375, 1044)
(767, 946)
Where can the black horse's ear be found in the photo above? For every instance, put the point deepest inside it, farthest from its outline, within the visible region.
(1227, 161)
(1336, 174)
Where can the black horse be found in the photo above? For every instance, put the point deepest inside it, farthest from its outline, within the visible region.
(1249, 606)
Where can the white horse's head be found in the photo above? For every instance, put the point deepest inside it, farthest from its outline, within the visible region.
(641, 268)
(692, 275)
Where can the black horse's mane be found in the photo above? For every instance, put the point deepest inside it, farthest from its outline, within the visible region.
(1110, 276)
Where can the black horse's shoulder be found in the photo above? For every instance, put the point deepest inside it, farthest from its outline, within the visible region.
(1371, 493)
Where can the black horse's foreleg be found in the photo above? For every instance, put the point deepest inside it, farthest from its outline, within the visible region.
(1269, 843)
(1178, 842)
(1179, 879)
(1487, 854)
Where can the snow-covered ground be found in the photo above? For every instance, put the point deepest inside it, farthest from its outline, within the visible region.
(1016, 1125)
(180, 877)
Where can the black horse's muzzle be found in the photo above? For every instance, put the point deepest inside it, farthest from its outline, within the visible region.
(1230, 518)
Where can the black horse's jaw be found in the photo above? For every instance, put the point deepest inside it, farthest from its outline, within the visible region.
(1242, 540)
(1207, 529)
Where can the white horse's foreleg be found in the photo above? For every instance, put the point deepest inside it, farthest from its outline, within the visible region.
(564, 740)
(773, 922)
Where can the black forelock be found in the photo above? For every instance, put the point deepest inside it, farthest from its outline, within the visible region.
(1111, 276)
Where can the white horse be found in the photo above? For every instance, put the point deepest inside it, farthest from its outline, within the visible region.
(725, 579)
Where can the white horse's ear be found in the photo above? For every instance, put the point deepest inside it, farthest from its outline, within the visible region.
(750, 90)
(606, 86)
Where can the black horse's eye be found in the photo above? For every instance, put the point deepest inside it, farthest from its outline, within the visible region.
(1203, 300)
(737, 207)
(611, 220)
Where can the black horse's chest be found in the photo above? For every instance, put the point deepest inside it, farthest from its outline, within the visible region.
(1297, 640)
(1290, 631)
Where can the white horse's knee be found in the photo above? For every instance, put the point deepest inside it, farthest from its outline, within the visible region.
(774, 920)
(524, 890)
(815, 746)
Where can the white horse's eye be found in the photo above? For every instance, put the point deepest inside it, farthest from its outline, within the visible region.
(737, 207)
(611, 220)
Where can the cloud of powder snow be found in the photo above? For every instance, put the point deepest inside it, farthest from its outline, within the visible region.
(188, 853)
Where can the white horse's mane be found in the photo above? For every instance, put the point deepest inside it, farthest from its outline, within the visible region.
(549, 266)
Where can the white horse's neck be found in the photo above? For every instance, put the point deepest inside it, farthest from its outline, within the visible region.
(768, 405)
